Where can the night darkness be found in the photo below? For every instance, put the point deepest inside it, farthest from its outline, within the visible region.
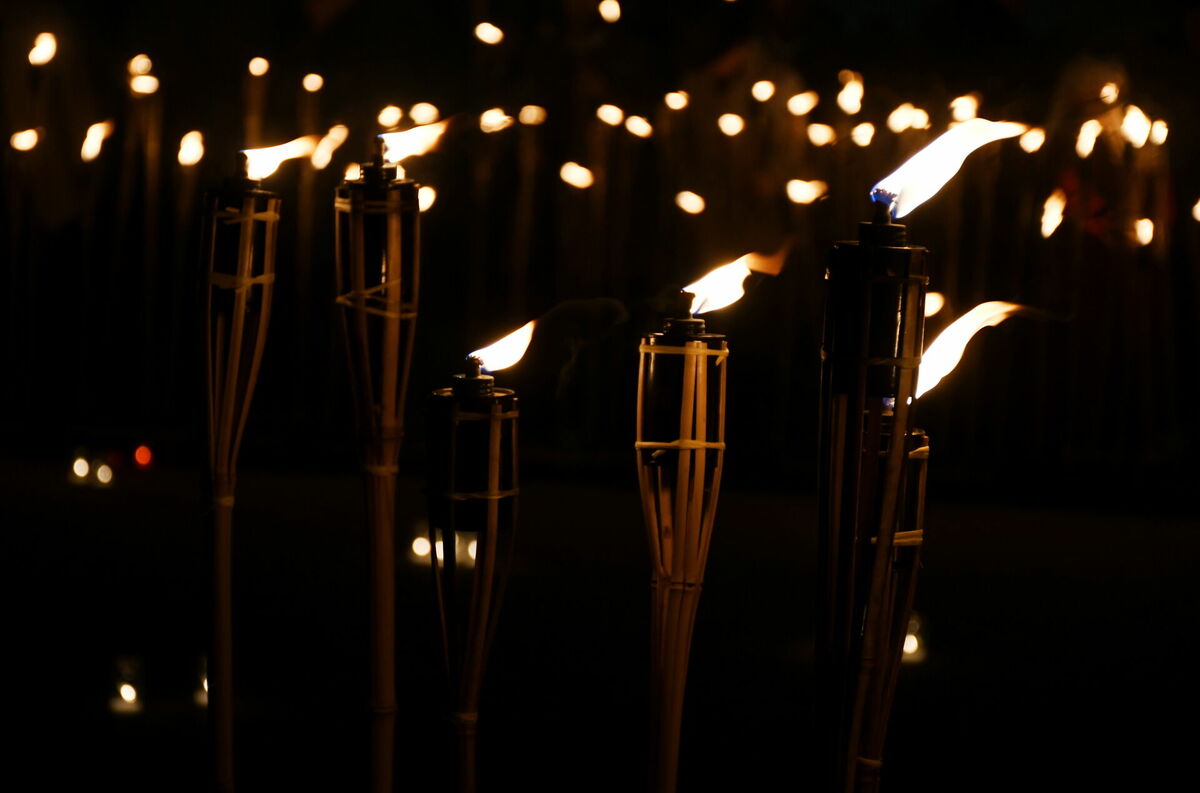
(1056, 600)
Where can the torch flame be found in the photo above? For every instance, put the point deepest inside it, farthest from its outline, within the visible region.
(1143, 231)
(1135, 126)
(964, 108)
(723, 286)
(576, 175)
(863, 133)
(1158, 132)
(323, 154)
(762, 90)
(261, 163)
(1032, 139)
(44, 47)
(676, 100)
(800, 104)
(919, 179)
(94, 139)
(1052, 212)
(397, 146)
(947, 349)
(849, 99)
(191, 148)
(1088, 132)
(508, 350)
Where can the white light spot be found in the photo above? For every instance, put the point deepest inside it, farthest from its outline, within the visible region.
(689, 202)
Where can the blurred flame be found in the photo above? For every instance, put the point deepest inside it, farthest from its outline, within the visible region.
(1158, 132)
(488, 33)
(494, 119)
(576, 175)
(262, 162)
(1109, 93)
(532, 115)
(1135, 126)
(689, 202)
(762, 90)
(143, 84)
(507, 351)
(128, 693)
(911, 643)
(730, 123)
(424, 113)
(849, 99)
(821, 134)
(421, 546)
(639, 126)
(94, 139)
(353, 172)
(140, 64)
(919, 179)
(802, 192)
(1143, 231)
(313, 82)
(104, 474)
(947, 349)
(389, 116)
(191, 148)
(1052, 212)
(24, 140)
(80, 468)
(397, 146)
(803, 103)
(1196, 210)
(723, 286)
(610, 114)
(323, 154)
(426, 195)
(863, 133)
(1032, 139)
(906, 116)
(44, 48)
(258, 66)
(964, 108)
(610, 10)
(934, 302)
(676, 100)
(1088, 132)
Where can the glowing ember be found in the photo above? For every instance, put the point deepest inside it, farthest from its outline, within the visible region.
(489, 33)
(934, 302)
(313, 82)
(1109, 93)
(191, 148)
(353, 172)
(94, 139)
(610, 114)
(689, 202)
(639, 126)
(261, 163)
(610, 10)
(802, 104)
(762, 90)
(508, 350)
(397, 146)
(143, 84)
(863, 133)
(258, 66)
(1088, 132)
(821, 134)
(1052, 212)
(946, 351)
(730, 123)
(849, 99)
(323, 154)
(676, 100)
(424, 113)
(532, 115)
(919, 179)
(576, 175)
(964, 108)
(1143, 231)
(44, 47)
(390, 116)
(494, 119)
(1158, 132)
(802, 192)
(1032, 139)
(140, 64)
(1135, 126)
(425, 197)
(24, 140)
(724, 285)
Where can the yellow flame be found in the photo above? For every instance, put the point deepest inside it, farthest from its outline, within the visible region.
(140, 64)
(610, 114)
(802, 104)
(424, 113)
(258, 66)
(1032, 139)
(261, 163)
(312, 82)
(919, 179)
(934, 302)
(849, 99)
(44, 48)
(676, 100)
(143, 84)
(1158, 132)
(94, 140)
(947, 349)
(24, 140)
(724, 285)
(576, 175)
(425, 197)
(489, 33)
(389, 116)
(191, 148)
(762, 90)
(80, 468)
(730, 123)
(494, 119)
(689, 202)
(508, 350)
(1109, 93)
(1135, 126)
(610, 10)
(397, 146)
(639, 126)
(802, 192)
(532, 115)
(353, 172)
(1052, 212)
(1143, 231)
(821, 134)
(863, 133)
(323, 154)
(1086, 141)
(964, 108)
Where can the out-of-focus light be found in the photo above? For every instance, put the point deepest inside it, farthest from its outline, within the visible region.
(610, 10)
(863, 133)
(676, 100)
(489, 33)
(911, 644)
(849, 99)
(313, 82)
(191, 148)
(821, 134)
(1158, 132)
(24, 140)
(800, 191)
(639, 126)
(258, 66)
(144, 84)
(424, 113)
(44, 47)
(143, 456)
(1135, 126)
(472, 549)
(762, 90)
(730, 123)
(128, 693)
(532, 115)
(802, 104)
(576, 175)
(1086, 141)
(900, 119)
(964, 108)
(426, 195)
(353, 172)
(421, 546)
(494, 119)
(1196, 210)
(104, 474)
(140, 64)
(1052, 212)
(437, 549)
(934, 302)
(80, 468)
(94, 140)
(204, 683)
(1143, 231)
(323, 154)
(1032, 139)
(689, 202)
(1109, 93)
(610, 114)
(390, 116)
(920, 119)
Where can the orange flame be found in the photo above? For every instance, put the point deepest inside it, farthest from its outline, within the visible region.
(398, 146)
(508, 350)
(723, 286)
(947, 349)
(261, 163)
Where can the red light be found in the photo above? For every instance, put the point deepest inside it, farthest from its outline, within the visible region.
(142, 456)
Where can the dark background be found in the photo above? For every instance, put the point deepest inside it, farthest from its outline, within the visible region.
(1057, 601)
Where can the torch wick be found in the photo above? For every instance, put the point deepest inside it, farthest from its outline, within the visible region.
(474, 366)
